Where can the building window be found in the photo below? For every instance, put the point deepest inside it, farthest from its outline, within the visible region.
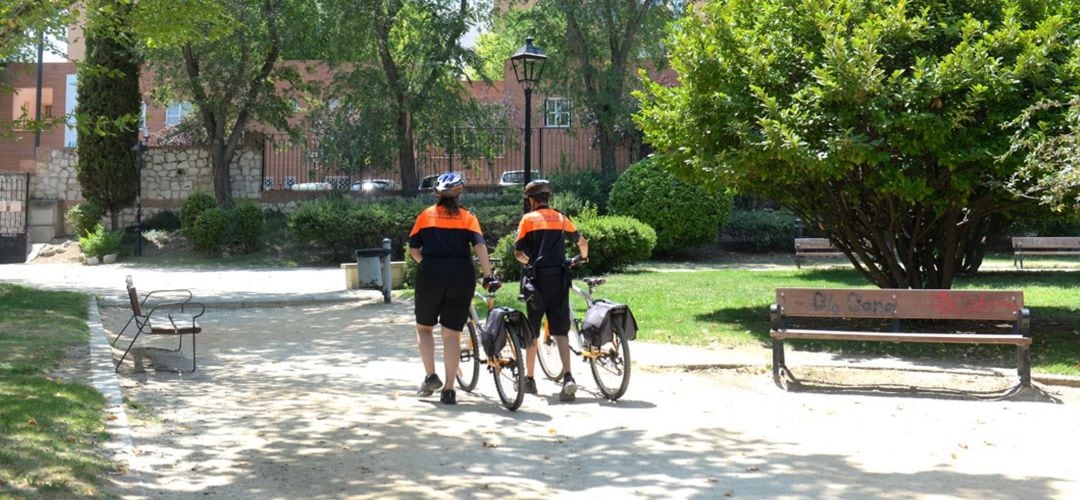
(557, 112)
(24, 100)
(175, 113)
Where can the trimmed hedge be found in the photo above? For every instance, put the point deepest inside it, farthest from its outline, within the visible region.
(760, 231)
(194, 205)
(683, 215)
(615, 242)
(247, 224)
(210, 231)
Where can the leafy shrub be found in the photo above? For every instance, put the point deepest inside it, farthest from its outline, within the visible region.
(210, 231)
(498, 221)
(100, 242)
(760, 230)
(165, 220)
(1039, 220)
(328, 222)
(84, 217)
(683, 215)
(568, 203)
(587, 185)
(504, 265)
(615, 242)
(247, 225)
(194, 205)
(410, 272)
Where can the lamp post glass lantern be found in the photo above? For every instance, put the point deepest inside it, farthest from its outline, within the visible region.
(528, 64)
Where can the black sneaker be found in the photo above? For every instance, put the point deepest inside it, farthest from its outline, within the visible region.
(569, 388)
(447, 397)
(430, 385)
(530, 385)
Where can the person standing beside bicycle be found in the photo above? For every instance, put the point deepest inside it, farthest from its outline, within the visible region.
(541, 247)
(445, 279)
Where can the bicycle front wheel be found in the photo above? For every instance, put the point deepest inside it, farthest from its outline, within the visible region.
(548, 353)
(469, 367)
(508, 366)
(611, 365)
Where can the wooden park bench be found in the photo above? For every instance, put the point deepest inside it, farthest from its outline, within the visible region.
(1043, 245)
(814, 247)
(171, 312)
(851, 305)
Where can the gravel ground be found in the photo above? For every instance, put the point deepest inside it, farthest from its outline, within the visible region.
(317, 402)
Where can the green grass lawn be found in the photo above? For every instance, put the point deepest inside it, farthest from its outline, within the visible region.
(729, 307)
(49, 429)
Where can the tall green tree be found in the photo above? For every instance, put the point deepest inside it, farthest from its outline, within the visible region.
(225, 58)
(401, 66)
(879, 122)
(109, 107)
(595, 49)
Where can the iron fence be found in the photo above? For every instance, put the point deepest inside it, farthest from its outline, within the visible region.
(481, 155)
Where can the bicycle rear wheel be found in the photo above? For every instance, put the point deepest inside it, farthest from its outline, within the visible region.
(548, 353)
(469, 367)
(611, 366)
(508, 367)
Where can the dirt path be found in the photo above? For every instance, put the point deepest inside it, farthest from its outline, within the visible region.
(316, 402)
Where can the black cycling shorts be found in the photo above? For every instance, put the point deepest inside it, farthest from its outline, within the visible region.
(444, 290)
(556, 305)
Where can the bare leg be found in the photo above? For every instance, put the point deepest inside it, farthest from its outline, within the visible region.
(451, 340)
(530, 359)
(426, 343)
(563, 342)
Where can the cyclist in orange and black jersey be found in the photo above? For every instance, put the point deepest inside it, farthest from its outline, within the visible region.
(440, 243)
(541, 247)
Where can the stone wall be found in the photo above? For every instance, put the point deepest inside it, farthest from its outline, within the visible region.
(169, 175)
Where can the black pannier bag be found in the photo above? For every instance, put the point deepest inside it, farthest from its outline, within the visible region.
(503, 321)
(598, 327)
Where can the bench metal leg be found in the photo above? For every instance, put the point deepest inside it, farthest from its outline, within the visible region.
(1023, 362)
(778, 366)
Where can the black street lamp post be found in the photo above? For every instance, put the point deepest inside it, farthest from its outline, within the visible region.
(528, 65)
(140, 148)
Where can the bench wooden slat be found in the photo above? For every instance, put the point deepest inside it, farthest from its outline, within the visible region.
(814, 244)
(900, 304)
(1049, 252)
(1047, 242)
(936, 338)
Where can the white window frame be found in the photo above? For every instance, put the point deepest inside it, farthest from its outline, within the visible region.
(175, 113)
(557, 112)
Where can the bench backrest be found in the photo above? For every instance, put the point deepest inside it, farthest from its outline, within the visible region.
(900, 303)
(1041, 242)
(133, 297)
(813, 244)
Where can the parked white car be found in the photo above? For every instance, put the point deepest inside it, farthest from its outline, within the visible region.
(517, 177)
(372, 185)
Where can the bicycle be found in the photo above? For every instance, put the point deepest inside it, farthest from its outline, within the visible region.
(507, 364)
(609, 362)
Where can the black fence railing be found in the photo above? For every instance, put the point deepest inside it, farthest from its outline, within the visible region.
(482, 155)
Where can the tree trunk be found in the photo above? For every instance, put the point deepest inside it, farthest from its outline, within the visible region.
(406, 158)
(606, 143)
(222, 182)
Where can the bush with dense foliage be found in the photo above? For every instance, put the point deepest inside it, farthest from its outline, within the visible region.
(683, 215)
(589, 186)
(210, 231)
(194, 205)
(247, 225)
(615, 242)
(760, 230)
(327, 222)
(101, 242)
(84, 217)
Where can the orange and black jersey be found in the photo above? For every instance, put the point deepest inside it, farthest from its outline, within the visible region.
(542, 235)
(439, 234)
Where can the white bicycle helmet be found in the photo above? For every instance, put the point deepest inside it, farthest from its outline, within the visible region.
(449, 184)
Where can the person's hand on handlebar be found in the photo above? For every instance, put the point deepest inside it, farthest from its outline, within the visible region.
(491, 284)
(578, 260)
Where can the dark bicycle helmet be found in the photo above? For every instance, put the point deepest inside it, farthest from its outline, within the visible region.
(539, 186)
(449, 184)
